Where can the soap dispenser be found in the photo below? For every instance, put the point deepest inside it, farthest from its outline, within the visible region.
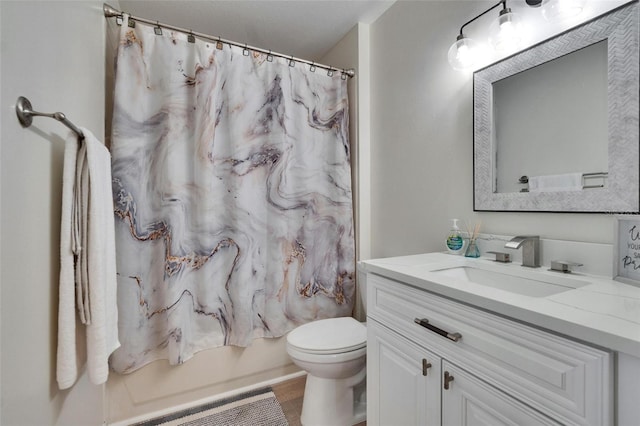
(454, 241)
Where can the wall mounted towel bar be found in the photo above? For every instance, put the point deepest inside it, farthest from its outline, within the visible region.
(25, 116)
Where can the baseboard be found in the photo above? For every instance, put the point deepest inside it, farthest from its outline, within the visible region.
(208, 400)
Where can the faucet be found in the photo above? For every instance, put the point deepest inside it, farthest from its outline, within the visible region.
(530, 249)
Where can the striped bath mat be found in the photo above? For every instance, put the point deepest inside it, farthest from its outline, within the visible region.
(258, 407)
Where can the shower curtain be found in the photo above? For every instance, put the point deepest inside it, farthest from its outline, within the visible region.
(232, 192)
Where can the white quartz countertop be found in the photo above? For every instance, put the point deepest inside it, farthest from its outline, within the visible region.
(602, 312)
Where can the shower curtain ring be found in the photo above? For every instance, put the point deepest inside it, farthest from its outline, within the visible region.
(312, 67)
(191, 38)
(269, 56)
(157, 30)
(330, 72)
(245, 51)
(219, 45)
(292, 63)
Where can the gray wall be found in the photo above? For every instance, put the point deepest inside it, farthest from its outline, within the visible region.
(422, 139)
(52, 53)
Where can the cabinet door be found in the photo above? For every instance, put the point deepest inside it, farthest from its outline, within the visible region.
(403, 380)
(470, 401)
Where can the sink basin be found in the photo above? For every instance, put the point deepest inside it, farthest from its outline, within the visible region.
(536, 285)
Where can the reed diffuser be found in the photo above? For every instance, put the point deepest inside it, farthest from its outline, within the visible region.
(472, 247)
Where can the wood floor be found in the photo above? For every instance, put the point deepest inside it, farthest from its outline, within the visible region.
(289, 396)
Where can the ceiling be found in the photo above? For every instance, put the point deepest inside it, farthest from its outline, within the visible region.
(306, 29)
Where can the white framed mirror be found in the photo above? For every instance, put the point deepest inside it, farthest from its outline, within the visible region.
(556, 126)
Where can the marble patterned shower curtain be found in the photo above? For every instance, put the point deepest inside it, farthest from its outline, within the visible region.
(232, 190)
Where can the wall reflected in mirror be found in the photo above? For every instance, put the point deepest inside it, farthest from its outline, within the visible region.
(552, 119)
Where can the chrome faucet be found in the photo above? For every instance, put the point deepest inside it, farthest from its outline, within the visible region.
(530, 249)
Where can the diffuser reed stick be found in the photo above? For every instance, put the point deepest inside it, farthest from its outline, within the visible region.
(474, 231)
(472, 247)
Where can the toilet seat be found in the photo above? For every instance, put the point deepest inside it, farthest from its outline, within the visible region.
(329, 336)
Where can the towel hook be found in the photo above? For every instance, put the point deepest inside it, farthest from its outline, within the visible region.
(25, 115)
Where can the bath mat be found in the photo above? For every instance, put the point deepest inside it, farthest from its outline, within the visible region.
(254, 408)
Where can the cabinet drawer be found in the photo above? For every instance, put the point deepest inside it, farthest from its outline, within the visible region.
(550, 373)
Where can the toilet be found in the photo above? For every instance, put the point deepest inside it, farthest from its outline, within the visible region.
(333, 353)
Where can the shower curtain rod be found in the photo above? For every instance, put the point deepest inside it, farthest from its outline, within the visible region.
(110, 12)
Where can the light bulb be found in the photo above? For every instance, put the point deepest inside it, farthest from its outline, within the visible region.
(506, 32)
(463, 54)
(507, 29)
(559, 10)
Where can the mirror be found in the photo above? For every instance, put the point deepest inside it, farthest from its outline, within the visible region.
(556, 126)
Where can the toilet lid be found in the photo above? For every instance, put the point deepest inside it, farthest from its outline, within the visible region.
(333, 335)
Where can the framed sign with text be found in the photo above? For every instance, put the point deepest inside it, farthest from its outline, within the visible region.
(626, 249)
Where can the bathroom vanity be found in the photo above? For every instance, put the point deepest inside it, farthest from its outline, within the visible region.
(469, 341)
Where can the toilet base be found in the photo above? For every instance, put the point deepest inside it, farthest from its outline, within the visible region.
(331, 402)
(359, 403)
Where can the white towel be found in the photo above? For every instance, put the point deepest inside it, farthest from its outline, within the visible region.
(556, 183)
(68, 358)
(102, 332)
(80, 209)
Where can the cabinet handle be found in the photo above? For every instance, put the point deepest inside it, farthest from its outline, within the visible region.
(448, 378)
(425, 366)
(425, 323)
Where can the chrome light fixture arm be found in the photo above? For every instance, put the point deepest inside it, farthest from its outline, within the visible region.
(501, 2)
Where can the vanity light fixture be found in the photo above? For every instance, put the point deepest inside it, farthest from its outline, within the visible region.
(505, 35)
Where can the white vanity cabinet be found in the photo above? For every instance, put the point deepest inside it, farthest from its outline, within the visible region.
(407, 387)
(498, 372)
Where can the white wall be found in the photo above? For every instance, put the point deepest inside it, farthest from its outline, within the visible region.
(422, 136)
(353, 52)
(53, 53)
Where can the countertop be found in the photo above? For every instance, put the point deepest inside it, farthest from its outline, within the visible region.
(603, 312)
